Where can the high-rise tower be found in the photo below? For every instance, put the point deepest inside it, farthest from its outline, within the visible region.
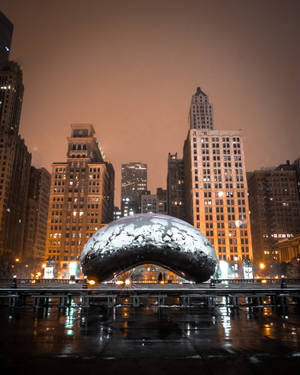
(133, 186)
(175, 187)
(11, 96)
(81, 199)
(14, 163)
(201, 113)
(36, 217)
(216, 193)
(6, 31)
(275, 210)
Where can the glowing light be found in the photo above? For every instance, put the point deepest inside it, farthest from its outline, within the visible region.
(127, 282)
(48, 273)
(92, 282)
(264, 281)
(73, 266)
(119, 282)
(262, 266)
(224, 268)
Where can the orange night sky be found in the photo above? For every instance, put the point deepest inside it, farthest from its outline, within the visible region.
(130, 68)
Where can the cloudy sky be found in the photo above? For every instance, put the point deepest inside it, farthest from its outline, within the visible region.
(130, 67)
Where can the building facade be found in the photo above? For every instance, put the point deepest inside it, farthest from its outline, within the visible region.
(14, 165)
(6, 32)
(11, 96)
(288, 249)
(275, 210)
(162, 207)
(216, 192)
(133, 186)
(81, 200)
(149, 203)
(154, 203)
(295, 166)
(36, 218)
(201, 112)
(175, 187)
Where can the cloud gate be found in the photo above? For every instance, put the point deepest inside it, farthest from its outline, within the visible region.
(149, 239)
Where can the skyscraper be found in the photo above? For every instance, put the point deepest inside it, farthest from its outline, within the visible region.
(14, 180)
(14, 163)
(11, 96)
(36, 217)
(133, 186)
(175, 187)
(201, 113)
(81, 199)
(275, 210)
(6, 31)
(216, 189)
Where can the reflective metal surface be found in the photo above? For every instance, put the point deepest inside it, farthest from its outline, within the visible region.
(149, 238)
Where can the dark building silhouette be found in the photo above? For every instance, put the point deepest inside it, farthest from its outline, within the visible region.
(133, 186)
(6, 31)
(11, 96)
(14, 163)
(288, 166)
(81, 199)
(175, 187)
(36, 218)
(275, 210)
(162, 201)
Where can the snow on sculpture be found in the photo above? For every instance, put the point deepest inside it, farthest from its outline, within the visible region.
(149, 238)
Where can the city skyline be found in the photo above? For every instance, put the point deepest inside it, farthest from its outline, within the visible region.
(137, 67)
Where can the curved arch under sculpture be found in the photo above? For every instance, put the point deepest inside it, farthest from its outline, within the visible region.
(149, 238)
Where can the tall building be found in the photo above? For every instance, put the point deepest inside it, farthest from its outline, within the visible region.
(14, 164)
(14, 180)
(36, 217)
(133, 186)
(292, 167)
(6, 31)
(216, 192)
(275, 210)
(175, 187)
(201, 113)
(81, 200)
(11, 96)
(296, 165)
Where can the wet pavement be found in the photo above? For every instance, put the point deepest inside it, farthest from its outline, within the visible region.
(150, 339)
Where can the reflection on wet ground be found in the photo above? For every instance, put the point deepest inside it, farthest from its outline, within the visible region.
(162, 339)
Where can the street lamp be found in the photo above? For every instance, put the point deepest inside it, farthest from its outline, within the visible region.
(262, 266)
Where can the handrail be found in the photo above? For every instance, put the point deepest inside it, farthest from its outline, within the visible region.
(58, 282)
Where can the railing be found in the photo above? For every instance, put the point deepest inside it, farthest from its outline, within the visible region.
(52, 283)
(38, 282)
